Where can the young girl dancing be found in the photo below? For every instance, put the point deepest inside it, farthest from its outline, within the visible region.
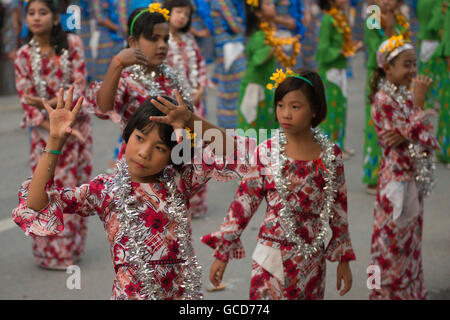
(335, 47)
(300, 173)
(405, 170)
(392, 23)
(184, 56)
(143, 205)
(51, 60)
(255, 100)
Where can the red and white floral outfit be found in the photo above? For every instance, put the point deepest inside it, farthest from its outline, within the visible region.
(398, 215)
(162, 240)
(75, 164)
(277, 271)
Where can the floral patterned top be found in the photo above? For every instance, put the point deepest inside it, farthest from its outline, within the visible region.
(408, 121)
(306, 198)
(162, 243)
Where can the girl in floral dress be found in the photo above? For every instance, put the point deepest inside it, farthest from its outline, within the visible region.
(50, 60)
(143, 205)
(300, 174)
(405, 171)
(184, 56)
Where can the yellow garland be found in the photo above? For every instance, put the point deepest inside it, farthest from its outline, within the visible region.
(253, 3)
(393, 42)
(403, 22)
(278, 77)
(342, 25)
(278, 43)
(191, 136)
(156, 7)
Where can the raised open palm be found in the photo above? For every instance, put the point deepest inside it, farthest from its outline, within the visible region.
(62, 117)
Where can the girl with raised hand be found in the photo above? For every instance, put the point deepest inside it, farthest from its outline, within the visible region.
(300, 174)
(184, 56)
(50, 60)
(405, 170)
(143, 205)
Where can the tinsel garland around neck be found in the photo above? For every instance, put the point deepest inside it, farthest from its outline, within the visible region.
(286, 214)
(133, 228)
(177, 81)
(423, 162)
(192, 58)
(36, 67)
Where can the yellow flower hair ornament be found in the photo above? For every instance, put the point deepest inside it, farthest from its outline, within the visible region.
(279, 76)
(153, 8)
(253, 3)
(391, 48)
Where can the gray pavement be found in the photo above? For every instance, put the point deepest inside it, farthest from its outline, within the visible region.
(21, 279)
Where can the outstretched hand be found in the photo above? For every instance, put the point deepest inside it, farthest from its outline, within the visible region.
(176, 116)
(62, 117)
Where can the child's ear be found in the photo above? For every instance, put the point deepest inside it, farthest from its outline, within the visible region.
(132, 42)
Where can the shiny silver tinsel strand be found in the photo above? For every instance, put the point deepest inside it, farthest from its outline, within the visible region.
(192, 59)
(36, 67)
(423, 162)
(287, 220)
(177, 81)
(132, 227)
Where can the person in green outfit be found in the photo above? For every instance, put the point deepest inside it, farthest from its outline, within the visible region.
(255, 100)
(392, 23)
(434, 54)
(335, 46)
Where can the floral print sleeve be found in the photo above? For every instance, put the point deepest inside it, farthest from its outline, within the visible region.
(32, 116)
(221, 168)
(412, 123)
(79, 72)
(339, 248)
(226, 242)
(86, 200)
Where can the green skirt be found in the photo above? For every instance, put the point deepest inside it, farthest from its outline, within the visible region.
(335, 121)
(372, 152)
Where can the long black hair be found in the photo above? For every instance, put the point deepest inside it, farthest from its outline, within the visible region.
(170, 4)
(144, 23)
(58, 38)
(325, 4)
(252, 21)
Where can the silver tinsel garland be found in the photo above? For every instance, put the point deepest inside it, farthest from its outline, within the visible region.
(423, 162)
(36, 67)
(134, 229)
(177, 81)
(192, 59)
(287, 219)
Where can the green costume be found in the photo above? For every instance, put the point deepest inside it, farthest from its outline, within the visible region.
(372, 152)
(332, 65)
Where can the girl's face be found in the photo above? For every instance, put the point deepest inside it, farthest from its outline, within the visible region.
(39, 18)
(155, 48)
(146, 155)
(403, 69)
(294, 112)
(267, 10)
(179, 17)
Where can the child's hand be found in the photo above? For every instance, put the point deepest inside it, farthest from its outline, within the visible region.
(359, 45)
(131, 56)
(421, 85)
(344, 273)
(62, 118)
(176, 116)
(216, 272)
(393, 139)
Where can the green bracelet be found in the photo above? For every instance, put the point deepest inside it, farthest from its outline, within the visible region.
(52, 152)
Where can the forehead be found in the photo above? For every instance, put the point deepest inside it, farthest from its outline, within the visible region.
(161, 29)
(294, 96)
(408, 55)
(37, 5)
(151, 131)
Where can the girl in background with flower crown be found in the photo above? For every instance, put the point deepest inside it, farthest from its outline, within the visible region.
(50, 60)
(300, 174)
(184, 56)
(434, 62)
(392, 23)
(405, 170)
(255, 100)
(144, 204)
(335, 47)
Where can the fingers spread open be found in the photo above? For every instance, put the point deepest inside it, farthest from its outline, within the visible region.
(69, 98)
(60, 102)
(160, 106)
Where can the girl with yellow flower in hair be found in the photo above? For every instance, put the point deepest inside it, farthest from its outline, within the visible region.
(335, 46)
